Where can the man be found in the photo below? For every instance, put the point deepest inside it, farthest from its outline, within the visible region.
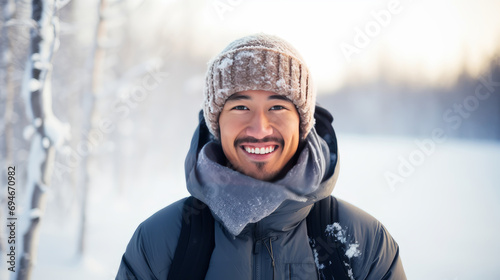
(261, 157)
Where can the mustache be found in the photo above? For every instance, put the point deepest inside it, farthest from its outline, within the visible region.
(250, 139)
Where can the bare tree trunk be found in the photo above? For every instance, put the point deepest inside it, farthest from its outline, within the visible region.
(8, 9)
(8, 12)
(98, 54)
(37, 86)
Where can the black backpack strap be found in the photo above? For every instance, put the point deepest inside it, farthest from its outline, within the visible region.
(196, 242)
(329, 252)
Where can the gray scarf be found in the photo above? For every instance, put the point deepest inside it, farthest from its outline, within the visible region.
(237, 200)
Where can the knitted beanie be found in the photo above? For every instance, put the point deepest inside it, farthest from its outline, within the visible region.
(259, 62)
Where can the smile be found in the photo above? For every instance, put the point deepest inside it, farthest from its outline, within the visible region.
(259, 151)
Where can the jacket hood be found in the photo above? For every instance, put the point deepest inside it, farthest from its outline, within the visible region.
(237, 200)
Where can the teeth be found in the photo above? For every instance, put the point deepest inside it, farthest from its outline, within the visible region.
(259, 151)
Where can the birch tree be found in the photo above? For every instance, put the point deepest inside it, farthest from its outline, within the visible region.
(49, 132)
(6, 82)
(7, 70)
(89, 116)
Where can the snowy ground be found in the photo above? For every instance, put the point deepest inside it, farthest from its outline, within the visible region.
(445, 216)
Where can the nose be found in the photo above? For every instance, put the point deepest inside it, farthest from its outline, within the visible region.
(259, 126)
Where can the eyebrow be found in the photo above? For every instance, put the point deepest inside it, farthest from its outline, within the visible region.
(238, 97)
(278, 97)
(235, 97)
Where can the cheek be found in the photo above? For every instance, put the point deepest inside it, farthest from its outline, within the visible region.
(290, 127)
(228, 132)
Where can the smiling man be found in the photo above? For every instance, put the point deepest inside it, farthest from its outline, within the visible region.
(261, 168)
(259, 133)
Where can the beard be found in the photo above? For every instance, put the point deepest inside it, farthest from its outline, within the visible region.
(260, 173)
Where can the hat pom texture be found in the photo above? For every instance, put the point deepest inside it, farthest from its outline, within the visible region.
(259, 62)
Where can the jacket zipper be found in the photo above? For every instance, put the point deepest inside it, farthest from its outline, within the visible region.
(257, 259)
(270, 251)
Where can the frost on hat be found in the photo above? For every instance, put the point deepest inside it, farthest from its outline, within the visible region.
(259, 62)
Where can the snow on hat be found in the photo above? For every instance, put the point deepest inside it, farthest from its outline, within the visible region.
(259, 62)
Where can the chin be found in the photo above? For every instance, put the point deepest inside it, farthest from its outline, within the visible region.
(262, 175)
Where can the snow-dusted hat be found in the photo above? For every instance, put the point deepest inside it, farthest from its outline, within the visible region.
(259, 62)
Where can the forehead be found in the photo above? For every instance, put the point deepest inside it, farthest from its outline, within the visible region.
(256, 95)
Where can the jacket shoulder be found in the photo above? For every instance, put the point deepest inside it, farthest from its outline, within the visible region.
(373, 252)
(152, 247)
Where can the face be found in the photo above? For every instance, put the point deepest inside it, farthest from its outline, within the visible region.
(259, 133)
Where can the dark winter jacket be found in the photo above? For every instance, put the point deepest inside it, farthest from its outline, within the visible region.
(280, 235)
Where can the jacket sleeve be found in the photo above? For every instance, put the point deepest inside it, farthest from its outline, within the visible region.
(385, 262)
(377, 255)
(152, 247)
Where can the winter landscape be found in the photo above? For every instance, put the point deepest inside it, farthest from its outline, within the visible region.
(414, 89)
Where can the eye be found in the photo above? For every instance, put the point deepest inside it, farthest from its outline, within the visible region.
(240, 107)
(277, 107)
